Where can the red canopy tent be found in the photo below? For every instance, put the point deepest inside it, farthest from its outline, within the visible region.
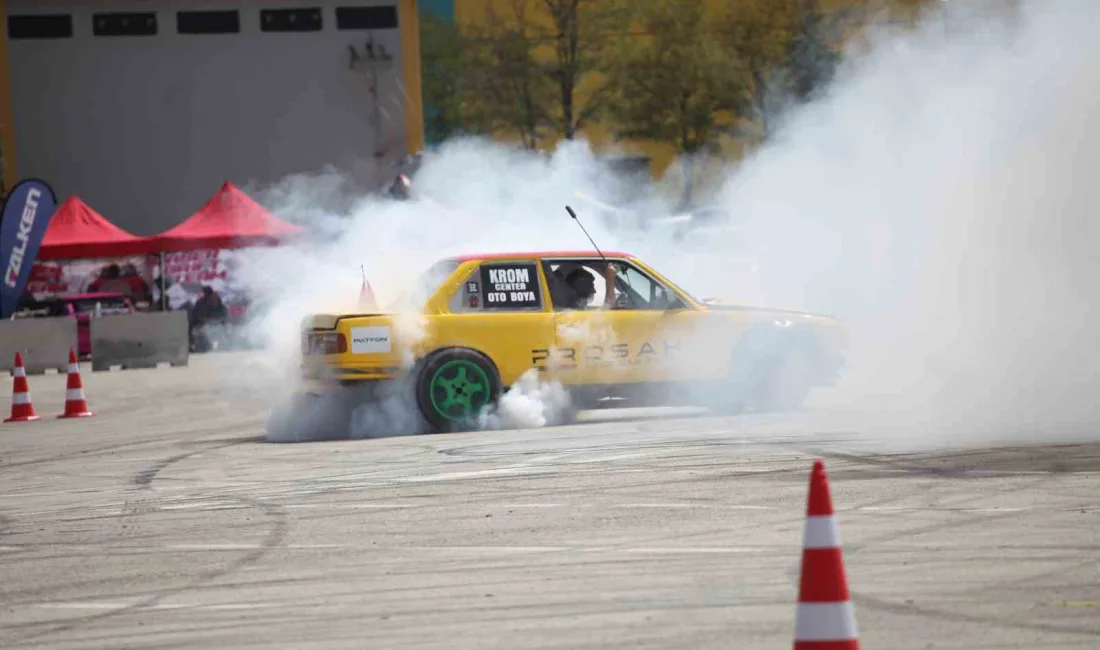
(76, 231)
(230, 219)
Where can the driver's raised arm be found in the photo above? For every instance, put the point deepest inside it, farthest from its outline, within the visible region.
(609, 285)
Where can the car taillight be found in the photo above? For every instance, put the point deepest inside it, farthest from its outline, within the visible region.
(324, 343)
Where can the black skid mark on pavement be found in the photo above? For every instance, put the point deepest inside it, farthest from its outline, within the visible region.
(133, 510)
(907, 609)
(976, 464)
(275, 538)
(144, 478)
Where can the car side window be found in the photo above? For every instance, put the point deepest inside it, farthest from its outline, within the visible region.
(575, 283)
(504, 286)
(467, 297)
(580, 284)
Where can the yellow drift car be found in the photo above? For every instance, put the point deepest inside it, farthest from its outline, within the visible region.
(611, 329)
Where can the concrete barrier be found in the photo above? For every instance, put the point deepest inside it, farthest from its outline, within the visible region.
(141, 340)
(44, 342)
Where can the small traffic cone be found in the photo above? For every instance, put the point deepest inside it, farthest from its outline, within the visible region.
(22, 410)
(825, 618)
(75, 404)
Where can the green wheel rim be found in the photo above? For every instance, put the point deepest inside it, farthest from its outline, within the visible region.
(459, 389)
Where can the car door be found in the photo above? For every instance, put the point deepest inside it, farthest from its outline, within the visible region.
(647, 334)
(500, 308)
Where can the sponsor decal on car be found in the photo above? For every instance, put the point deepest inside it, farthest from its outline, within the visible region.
(619, 354)
(371, 340)
(510, 286)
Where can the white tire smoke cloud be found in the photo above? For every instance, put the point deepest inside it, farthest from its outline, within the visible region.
(940, 198)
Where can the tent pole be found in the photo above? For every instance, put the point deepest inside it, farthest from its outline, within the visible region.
(163, 285)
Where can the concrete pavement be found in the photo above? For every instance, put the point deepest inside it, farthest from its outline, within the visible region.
(165, 522)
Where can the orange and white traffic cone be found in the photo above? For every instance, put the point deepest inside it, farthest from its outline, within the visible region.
(826, 619)
(22, 410)
(75, 404)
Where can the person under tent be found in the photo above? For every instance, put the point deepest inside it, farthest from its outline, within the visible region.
(207, 310)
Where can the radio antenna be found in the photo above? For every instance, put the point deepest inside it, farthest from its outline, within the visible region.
(574, 215)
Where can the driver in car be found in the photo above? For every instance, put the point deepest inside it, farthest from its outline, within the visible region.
(582, 287)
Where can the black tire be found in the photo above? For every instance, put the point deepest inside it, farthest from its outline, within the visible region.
(455, 386)
(785, 384)
(771, 372)
(569, 416)
(727, 398)
(311, 417)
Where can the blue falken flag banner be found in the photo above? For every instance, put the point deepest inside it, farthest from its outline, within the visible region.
(29, 207)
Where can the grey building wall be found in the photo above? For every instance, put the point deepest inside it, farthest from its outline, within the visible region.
(146, 128)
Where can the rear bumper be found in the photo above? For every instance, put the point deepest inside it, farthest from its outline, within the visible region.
(349, 393)
(335, 375)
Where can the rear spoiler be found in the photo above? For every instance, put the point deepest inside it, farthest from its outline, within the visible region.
(329, 321)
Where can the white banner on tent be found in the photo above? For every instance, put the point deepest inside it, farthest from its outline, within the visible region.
(188, 272)
(59, 277)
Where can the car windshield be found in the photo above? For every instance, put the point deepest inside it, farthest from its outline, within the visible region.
(681, 287)
(424, 286)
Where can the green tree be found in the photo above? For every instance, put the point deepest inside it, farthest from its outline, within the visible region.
(443, 57)
(671, 82)
(787, 50)
(758, 34)
(582, 33)
(812, 56)
(506, 86)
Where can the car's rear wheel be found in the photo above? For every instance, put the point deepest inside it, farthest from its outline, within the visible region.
(456, 386)
(311, 417)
